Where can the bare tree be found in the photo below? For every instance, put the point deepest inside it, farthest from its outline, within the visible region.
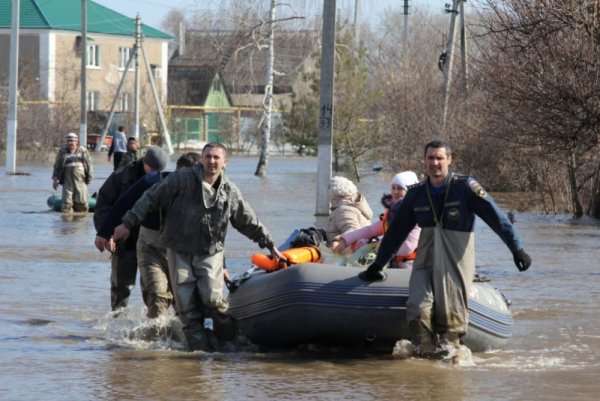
(409, 109)
(540, 83)
(172, 21)
(354, 122)
(43, 123)
(263, 160)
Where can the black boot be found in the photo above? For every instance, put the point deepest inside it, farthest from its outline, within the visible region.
(424, 342)
(196, 338)
(225, 326)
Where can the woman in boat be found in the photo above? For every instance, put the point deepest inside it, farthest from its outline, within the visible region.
(349, 209)
(350, 241)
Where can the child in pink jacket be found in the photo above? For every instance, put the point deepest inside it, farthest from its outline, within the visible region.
(352, 240)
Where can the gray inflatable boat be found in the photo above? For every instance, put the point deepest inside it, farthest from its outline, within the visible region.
(329, 304)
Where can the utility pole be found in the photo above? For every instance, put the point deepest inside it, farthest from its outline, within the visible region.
(83, 73)
(134, 55)
(136, 103)
(463, 50)
(159, 105)
(405, 32)
(449, 59)
(111, 113)
(11, 120)
(356, 27)
(326, 108)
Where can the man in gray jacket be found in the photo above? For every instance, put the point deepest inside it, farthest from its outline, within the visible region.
(200, 202)
(73, 170)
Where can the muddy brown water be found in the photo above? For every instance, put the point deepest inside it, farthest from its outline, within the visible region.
(59, 342)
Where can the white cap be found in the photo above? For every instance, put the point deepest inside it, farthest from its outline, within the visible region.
(405, 179)
(341, 187)
(72, 135)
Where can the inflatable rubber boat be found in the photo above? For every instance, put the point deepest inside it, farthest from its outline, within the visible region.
(54, 202)
(329, 304)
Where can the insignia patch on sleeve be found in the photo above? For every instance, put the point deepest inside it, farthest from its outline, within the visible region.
(477, 189)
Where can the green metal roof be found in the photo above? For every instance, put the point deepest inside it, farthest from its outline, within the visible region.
(66, 15)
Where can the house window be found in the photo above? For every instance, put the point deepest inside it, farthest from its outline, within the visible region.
(93, 56)
(213, 126)
(217, 85)
(93, 101)
(124, 54)
(156, 71)
(187, 129)
(124, 100)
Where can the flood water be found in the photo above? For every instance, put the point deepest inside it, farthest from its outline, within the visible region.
(58, 340)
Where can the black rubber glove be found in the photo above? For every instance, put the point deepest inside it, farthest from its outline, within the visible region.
(522, 260)
(373, 273)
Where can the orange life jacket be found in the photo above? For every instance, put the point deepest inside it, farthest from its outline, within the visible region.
(405, 258)
(384, 220)
(304, 254)
(397, 258)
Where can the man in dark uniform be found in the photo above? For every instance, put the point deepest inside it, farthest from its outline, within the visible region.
(444, 206)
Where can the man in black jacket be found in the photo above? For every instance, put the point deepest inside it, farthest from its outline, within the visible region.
(124, 260)
(444, 206)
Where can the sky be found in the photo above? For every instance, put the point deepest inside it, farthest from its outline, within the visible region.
(152, 12)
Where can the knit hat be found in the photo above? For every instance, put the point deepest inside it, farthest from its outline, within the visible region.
(72, 135)
(341, 187)
(157, 158)
(405, 179)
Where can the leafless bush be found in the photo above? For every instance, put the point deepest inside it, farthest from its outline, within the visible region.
(537, 70)
(41, 124)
